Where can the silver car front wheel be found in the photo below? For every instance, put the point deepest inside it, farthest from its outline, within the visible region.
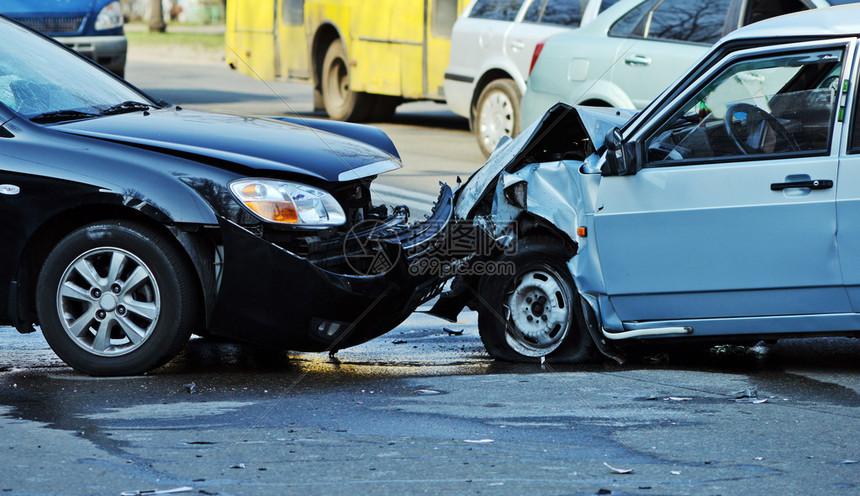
(117, 298)
(108, 301)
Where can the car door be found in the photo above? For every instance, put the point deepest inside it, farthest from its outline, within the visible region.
(848, 192)
(734, 213)
(670, 35)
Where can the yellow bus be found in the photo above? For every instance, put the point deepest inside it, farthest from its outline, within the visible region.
(363, 57)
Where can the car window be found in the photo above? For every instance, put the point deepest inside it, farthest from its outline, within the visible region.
(781, 104)
(293, 13)
(694, 21)
(626, 27)
(558, 12)
(499, 10)
(759, 10)
(605, 4)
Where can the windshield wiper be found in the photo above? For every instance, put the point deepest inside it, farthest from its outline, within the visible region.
(60, 116)
(125, 107)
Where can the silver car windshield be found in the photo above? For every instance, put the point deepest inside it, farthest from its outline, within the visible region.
(43, 82)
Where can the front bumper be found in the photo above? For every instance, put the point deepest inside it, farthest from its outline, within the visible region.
(108, 51)
(269, 295)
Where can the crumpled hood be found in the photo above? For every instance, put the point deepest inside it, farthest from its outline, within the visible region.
(564, 132)
(262, 144)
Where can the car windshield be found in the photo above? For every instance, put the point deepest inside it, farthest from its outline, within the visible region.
(43, 82)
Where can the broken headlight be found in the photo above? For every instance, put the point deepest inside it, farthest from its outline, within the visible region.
(285, 202)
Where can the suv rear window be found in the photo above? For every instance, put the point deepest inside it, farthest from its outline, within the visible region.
(497, 10)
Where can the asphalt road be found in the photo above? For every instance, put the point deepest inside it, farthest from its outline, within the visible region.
(422, 410)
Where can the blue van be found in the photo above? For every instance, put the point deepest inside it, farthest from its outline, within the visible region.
(91, 27)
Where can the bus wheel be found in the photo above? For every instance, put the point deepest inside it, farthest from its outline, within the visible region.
(341, 103)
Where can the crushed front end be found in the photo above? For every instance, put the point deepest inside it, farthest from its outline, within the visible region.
(325, 289)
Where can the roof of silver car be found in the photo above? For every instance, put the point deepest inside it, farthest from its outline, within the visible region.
(843, 20)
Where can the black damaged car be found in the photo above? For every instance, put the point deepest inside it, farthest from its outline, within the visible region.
(126, 224)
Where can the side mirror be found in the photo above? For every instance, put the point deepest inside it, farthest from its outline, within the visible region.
(622, 159)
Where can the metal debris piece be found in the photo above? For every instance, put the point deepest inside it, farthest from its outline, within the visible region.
(428, 392)
(190, 388)
(238, 466)
(675, 472)
(618, 470)
(452, 332)
(478, 441)
(754, 401)
(399, 341)
(183, 489)
(848, 462)
(746, 393)
(677, 398)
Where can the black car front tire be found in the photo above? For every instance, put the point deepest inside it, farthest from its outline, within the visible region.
(116, 298)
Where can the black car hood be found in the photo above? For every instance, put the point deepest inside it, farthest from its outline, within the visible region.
(260, 144)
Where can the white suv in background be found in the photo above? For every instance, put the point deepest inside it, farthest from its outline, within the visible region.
(492, 48)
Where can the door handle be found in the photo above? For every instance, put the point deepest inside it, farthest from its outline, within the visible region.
(811, 184)
(637, 60)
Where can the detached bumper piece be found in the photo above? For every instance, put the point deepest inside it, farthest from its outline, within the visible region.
(342, 294)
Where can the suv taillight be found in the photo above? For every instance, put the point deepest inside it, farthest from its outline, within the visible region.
(538, 49)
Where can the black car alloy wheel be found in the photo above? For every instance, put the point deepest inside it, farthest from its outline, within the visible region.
(116, 298)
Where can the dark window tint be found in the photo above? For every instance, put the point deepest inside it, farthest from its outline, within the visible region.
(605, 4)
(759, 10)
(694, 21)
(500, 10)
(559, 12)
(633, 22)
(563, 12)
(444, 15)
(294, 12)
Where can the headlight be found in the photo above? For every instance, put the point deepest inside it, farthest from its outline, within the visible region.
(288, 203)
(109, 17)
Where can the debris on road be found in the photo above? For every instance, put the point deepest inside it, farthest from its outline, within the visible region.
(147, 492)
(675, 472)
(478, 441)
(190, 388)
(399, 341)
(428, 392)
(452, 332)
(621, 471)
(848, 462)
(238, 466)
(746, 393)
(677, 398)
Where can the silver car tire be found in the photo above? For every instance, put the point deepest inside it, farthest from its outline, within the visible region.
(497, 114)
(534, 312)
(116, 298)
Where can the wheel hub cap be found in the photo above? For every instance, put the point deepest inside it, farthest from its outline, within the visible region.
(108, 303)
(539, 313)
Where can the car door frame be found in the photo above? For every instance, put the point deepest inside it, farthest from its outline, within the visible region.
(649, 123)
